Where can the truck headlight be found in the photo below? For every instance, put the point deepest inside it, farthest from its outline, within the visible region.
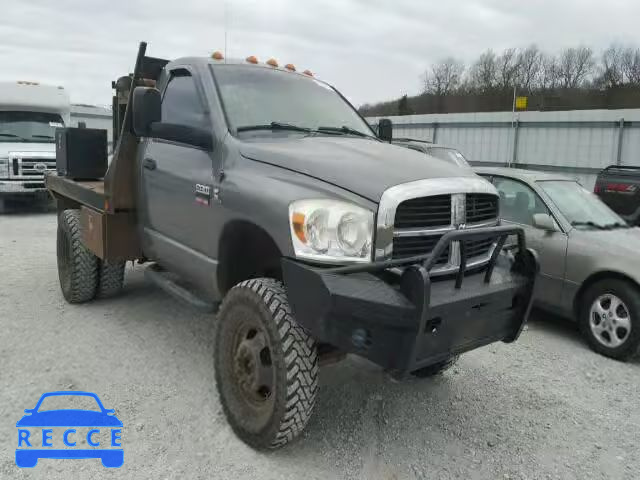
(331, 231)
(4, 168)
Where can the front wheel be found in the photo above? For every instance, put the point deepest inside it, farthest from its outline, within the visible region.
(610, 318)
(266, 365)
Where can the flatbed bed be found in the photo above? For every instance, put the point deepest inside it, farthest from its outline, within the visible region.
(85, 192)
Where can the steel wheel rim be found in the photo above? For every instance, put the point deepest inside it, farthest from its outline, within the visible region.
(610, 320)
(252, 364)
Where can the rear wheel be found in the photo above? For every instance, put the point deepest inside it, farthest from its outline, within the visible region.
(436, 368)
(609, 318)
(77, 266)
(111, 278)
(266, 365)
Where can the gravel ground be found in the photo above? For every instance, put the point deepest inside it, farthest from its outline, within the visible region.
(543, 408)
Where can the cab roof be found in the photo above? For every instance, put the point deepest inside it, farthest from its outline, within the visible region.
(205, 61)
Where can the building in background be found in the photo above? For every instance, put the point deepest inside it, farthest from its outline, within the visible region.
(577, 143)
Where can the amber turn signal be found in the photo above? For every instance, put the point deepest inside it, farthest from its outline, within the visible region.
(297, 220)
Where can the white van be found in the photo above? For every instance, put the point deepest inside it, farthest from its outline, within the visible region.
(29, 116)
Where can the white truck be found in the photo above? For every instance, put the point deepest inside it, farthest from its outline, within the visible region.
(29, 116)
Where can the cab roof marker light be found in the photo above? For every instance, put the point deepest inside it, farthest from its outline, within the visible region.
(290, 66)
(272, 62)
(308, 72)
(217, 55)
(251, 59)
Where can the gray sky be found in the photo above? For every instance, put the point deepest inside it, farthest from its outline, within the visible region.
(371, 50)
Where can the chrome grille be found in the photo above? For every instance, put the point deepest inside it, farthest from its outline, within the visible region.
(31, 167)
(413, 217)
(424, 212)
(404, 247)
(34, 167)
(477, 248)
(481, 207)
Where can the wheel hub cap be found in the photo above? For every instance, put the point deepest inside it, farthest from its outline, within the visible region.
(610, 321)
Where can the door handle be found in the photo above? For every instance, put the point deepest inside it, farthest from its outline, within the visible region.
(149, 163)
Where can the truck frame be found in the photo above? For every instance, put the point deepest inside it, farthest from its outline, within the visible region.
(280, 318)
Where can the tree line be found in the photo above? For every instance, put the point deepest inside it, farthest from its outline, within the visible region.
(575, 71)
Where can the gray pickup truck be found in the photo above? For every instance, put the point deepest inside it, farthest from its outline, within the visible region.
(262, 188)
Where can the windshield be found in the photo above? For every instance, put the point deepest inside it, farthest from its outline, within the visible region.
(32, 127)
(451, 155)
(258, 97)
(582, 208)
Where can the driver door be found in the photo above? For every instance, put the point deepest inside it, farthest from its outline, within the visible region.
(176, 180)
(518, 203)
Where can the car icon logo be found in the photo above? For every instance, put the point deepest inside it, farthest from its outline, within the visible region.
(40, 167)
(44, 432)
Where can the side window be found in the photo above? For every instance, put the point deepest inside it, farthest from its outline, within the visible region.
(518, 202)
(181, 103)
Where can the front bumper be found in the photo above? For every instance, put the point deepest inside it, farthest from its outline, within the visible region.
(19, 187)
(411, 322)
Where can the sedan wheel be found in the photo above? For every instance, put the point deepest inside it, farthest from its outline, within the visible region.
(610, 320)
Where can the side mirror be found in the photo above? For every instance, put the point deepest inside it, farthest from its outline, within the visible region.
(385, 130)
(28, 410)
(146, 110)
(544, 221)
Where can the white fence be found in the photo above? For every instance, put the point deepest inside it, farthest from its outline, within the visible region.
(578, 143)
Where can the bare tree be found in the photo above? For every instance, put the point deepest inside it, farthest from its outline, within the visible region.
(631, 65)
(550, 74)
(444, 76)
(531, 67)
(575, 65)
(483, 73)
(611, 71)
(507, 68)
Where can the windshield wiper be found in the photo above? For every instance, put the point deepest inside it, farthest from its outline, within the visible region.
(274, 126)
(41, 136)
(11, 135)
(611, 226)
(344, 130)
(589, 224)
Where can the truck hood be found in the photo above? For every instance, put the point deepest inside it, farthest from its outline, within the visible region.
(364, 167)
(10, 147)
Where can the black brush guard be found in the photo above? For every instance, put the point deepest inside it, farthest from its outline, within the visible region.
(416, 321)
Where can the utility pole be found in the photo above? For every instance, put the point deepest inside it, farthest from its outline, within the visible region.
(513, 123)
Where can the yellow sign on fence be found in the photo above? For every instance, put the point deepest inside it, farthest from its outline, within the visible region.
(521, 103)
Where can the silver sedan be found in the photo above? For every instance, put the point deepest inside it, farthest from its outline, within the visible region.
(589, 257)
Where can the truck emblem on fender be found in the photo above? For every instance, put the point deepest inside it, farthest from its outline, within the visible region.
(203, 194)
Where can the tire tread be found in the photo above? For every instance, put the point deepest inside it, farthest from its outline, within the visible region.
(298, 351)
(84, 264)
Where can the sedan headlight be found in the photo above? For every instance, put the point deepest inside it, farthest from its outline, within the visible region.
(4, 168)
(331, 231)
